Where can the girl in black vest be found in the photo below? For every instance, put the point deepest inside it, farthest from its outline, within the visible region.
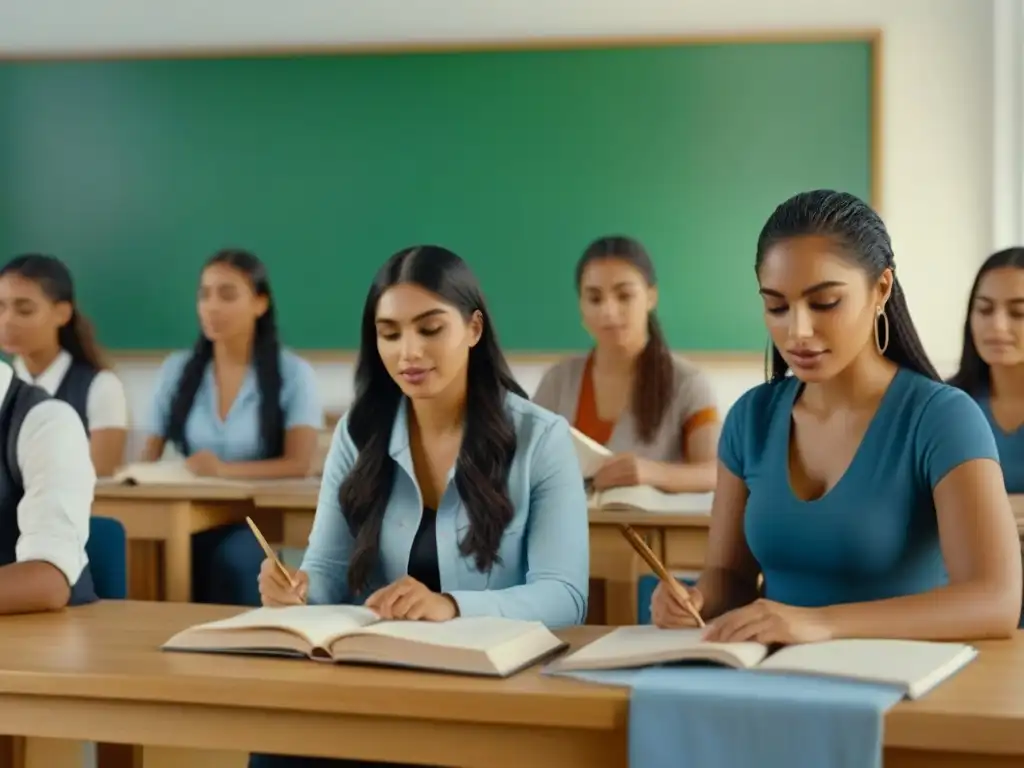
(53, 347)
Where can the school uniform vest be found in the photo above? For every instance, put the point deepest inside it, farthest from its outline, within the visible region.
(74, 388)
(20, 399)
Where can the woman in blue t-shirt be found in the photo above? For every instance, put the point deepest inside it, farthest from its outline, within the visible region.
(866, 492)
(992, 363)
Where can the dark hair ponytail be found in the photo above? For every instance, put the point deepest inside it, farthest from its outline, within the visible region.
(655, 381)
(974, 374)
(488, 440)
(861, 235)
(54, 280)
(266, 360)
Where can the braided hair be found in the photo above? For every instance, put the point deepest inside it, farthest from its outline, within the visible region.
(862, 238)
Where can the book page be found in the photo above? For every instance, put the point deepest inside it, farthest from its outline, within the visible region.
(913, 665)
(649, 499)
(591, 454)
(319, 624)
(648, 645)
(478, 633)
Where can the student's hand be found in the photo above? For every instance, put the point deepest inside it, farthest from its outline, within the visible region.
(622, 469)
(765, 621)
(668, 612)
(409, 599)
(204, 464)
(275, 591)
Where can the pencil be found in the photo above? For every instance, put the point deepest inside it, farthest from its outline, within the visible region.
(637, 542)
(270, 552)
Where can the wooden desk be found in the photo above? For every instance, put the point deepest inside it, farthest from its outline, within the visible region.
(679, 540)
(159, 521)
(96, 673)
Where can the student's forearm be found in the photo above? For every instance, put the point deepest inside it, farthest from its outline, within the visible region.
(32, 587)
(724, 591)
(672, 477)
(269, 469)
(956, 612)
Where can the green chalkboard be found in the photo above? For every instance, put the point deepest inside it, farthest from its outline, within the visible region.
(134, 171)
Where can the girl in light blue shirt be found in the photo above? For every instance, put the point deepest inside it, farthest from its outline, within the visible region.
(237, 406)
(446, 492)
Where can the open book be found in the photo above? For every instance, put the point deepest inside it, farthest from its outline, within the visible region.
(491, 646)
(164, 473)
(640, 498)
(914, 666)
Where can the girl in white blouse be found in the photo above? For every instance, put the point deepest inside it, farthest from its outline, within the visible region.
(53, 347)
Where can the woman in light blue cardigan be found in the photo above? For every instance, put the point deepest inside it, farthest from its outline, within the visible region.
(446, 492)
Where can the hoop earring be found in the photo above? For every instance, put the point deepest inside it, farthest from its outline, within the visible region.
(768, 361)
(881, 316)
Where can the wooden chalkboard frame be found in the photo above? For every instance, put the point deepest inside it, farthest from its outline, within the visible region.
(872, 36)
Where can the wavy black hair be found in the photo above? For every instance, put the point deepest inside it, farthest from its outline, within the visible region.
(266, 360)
(655, 382)
(489, 439)
(861, 236)
(54, 280)
(973, 375)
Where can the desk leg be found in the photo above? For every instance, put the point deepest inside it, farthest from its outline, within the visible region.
(53, 753)
(178, 559)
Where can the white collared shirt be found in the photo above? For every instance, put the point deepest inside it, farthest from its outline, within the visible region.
(106, 406)
(59, 480)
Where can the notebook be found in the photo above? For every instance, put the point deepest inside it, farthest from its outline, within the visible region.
(491, 646)
(164, 473)
(641, 498)
(914, 666)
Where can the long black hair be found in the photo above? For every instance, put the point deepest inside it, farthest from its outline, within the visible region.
(488, 441)
(862, 238)
(973, 374)
(266, 350)
(54, 280)
(655, 382)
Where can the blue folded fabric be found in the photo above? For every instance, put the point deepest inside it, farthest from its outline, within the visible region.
(701, 717)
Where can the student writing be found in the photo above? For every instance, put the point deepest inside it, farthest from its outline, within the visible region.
(867, 492)
(446, 492)
(53, 348)
(656, 412)
(47, 482)
(992, 362)
(237, 406)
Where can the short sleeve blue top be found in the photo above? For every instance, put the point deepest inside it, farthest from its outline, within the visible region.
(874, 535)
(1011, 449)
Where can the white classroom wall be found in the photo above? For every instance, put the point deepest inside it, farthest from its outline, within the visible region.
(943, 180)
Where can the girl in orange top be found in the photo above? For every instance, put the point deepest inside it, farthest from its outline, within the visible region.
(654, 411)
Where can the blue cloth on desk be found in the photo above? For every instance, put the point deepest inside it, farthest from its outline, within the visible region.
(700, 717)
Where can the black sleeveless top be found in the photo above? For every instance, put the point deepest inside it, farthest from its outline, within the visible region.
(74, 388)
(423, 565)
(20, 399)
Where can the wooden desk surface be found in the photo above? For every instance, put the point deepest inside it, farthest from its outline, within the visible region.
(174, 492)
(110, 652)
(301, 495)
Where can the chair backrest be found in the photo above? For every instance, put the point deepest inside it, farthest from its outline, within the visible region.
(108, 558)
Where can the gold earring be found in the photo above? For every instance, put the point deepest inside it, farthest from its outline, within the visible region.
(882, 318)
(768, 360)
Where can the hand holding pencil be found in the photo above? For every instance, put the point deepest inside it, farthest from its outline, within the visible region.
(672, 605)
(279, 586)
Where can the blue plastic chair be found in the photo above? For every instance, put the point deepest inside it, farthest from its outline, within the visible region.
(107, 550)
